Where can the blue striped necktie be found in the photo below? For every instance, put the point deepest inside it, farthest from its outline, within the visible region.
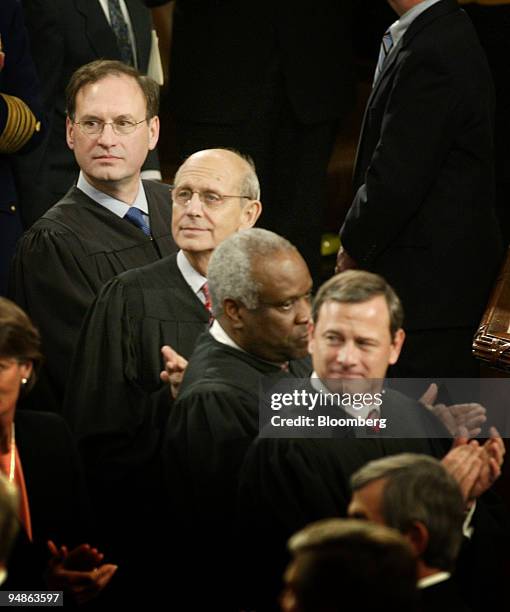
(386, 45)
(120, 29)
(135, 216)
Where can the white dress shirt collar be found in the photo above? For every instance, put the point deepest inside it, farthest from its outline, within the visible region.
(399, 27)
(423, 583)
(194, 279)
(117, 207)
(220, 335)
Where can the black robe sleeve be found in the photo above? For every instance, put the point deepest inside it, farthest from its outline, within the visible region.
(52, 281)
(207, 436)
(105, 403)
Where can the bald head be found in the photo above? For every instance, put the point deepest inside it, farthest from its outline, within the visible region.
(237, 166)
(215, 194)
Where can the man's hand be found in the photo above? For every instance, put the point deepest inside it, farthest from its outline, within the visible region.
(493, 453)
(475, 467)
(78, 572)
(175, 366)
(344, 261)
(457, 416)
(464, 463)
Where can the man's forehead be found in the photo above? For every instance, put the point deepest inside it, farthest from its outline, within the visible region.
(101, 91)
(369, 497)
(282, 276)
(211, 167)
(373, 312)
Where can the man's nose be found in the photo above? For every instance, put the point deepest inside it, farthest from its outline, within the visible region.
(303, 310)
(194, 206)
(347, 354)
(107, 136)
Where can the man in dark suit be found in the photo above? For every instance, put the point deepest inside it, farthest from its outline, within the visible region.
(271, 79)
(417, 496)
(64, 35)
(20, 127)
(423, 214)
(108, 223)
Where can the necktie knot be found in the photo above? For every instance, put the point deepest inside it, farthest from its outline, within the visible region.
(207, 295)
(135, 216)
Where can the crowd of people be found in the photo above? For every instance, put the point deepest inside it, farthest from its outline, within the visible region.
(146, 327)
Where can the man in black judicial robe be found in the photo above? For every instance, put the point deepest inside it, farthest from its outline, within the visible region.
(116, 402)
(80, 243)
(260, 288)
(291, 479)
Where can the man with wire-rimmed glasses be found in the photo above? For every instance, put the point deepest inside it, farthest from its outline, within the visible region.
(116, 404)
(109, 222)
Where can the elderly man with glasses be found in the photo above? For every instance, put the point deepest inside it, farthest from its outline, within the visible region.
(109, 222)
(116, 403)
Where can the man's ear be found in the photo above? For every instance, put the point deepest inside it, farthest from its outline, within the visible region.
(231, 310)
(396, 346)
(418, 537)
(70, 127)
(250, 213)
(153, 124)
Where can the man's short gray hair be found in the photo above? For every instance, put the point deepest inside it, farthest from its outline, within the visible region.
(419, 488)
(230, 271)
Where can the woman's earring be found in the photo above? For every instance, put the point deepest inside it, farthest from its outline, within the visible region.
(24, 381)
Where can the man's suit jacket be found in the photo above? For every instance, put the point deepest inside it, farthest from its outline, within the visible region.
(64, 35)
(423, 214)
(220, 76)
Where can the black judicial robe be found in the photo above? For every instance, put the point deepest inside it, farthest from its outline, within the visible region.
(214, 420)
(65, 258)
(286, 483)
(116, 403)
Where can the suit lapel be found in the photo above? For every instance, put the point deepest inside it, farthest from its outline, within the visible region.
(142, 26)
(97, 30)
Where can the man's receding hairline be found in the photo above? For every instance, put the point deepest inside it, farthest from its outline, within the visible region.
(119, 75)
(243, 167)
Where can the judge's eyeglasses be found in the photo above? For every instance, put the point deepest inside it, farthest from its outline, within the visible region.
(121, 127)
(183, 196)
